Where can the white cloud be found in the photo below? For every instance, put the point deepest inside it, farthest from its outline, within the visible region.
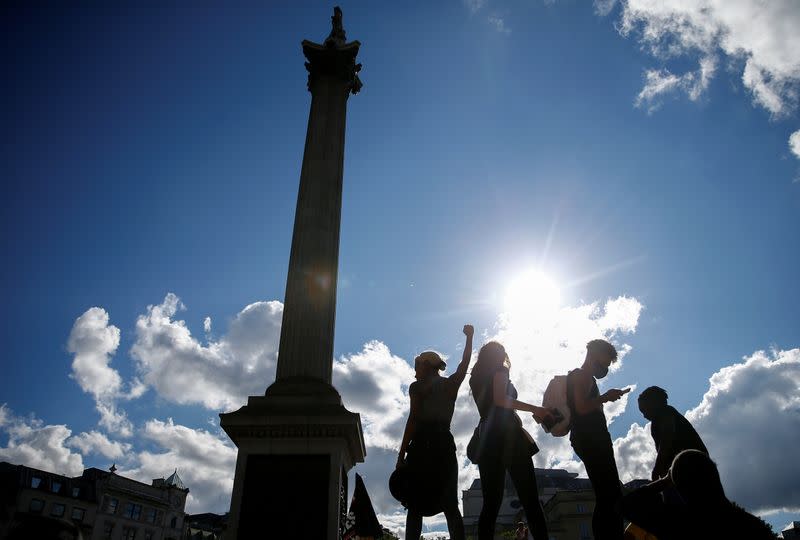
(556, 345)
(635, 453)
(794, 143)
(750, 421)
(94, 342)
(621, 315)
(762, 36)
(615, 408)
(207, 325)
(5, 415)
(34, 444)
(205, 463)
(95, 442)
(604, 7)
(218, 375)
(375, 383)
(474, 5)
(499, 24)
(660, 82)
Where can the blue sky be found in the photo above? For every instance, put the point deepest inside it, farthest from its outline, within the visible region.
(155, 151)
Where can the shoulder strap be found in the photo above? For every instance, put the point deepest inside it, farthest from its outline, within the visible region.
(570, 393)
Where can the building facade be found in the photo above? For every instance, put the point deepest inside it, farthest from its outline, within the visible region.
(98, 505)
(791, 531)
(206, 526)
(549, 481)
(569, 514)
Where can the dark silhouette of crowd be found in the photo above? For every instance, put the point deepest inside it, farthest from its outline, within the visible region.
(685, 499)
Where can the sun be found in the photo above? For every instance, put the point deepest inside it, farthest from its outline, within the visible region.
(532, 296)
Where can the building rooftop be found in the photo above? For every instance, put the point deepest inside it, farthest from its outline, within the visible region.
(175, 480)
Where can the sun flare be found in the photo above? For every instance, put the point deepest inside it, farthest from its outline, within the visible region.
(532, 296)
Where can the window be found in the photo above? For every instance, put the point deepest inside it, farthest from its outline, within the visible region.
(128, 533)
(148, 535)
(108, 530)
(584, 531)
(581, 508)
(150, 515)
(173, 522)
(57, 510)
(77, 513)
(36, 505)
(76, 491)
(55, 486)
(133, 511)
(35, 481)
(111, 505)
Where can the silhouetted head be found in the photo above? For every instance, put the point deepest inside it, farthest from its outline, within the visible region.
(427, 364)
(599, 355)
(490, 357)
(652, 400)
(696, 478)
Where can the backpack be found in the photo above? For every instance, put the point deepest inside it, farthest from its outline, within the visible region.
(555, 397)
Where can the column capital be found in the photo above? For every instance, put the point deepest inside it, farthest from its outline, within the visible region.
(333, 61)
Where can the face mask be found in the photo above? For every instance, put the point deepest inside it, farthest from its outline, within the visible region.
(600, 371)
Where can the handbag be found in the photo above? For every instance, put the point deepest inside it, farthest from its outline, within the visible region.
(475, 444)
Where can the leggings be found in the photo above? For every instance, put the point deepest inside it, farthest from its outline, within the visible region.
(493, 476)
(455, 524)
(597, 456)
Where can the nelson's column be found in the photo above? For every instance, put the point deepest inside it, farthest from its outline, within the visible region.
(297, 442)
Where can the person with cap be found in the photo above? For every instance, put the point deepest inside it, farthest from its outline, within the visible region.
(427, 456)
(504, 444)
(672, 433)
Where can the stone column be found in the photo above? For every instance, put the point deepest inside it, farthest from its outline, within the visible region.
(309, 313)
(297, 442)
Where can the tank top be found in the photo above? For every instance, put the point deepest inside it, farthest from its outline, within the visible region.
(436, 403)
(503, 428)
(589, 424)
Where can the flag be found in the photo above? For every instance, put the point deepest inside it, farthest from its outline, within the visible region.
(361, 520)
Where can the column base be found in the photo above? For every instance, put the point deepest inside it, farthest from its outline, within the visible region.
(296, 444)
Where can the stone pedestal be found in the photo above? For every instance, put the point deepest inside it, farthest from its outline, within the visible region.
(297, 442)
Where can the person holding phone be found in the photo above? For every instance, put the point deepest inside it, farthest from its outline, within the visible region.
(590, 437)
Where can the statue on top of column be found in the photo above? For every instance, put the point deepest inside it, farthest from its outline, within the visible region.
(337, 36)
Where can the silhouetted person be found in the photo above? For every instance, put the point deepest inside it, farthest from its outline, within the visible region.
(590, 438)
(705, 511)
(428, 448)
(521, 532)
(505, 445)
(672, 433)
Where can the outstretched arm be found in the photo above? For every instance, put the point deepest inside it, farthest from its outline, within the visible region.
(458, 377)
(411, 425)
(502, 399)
